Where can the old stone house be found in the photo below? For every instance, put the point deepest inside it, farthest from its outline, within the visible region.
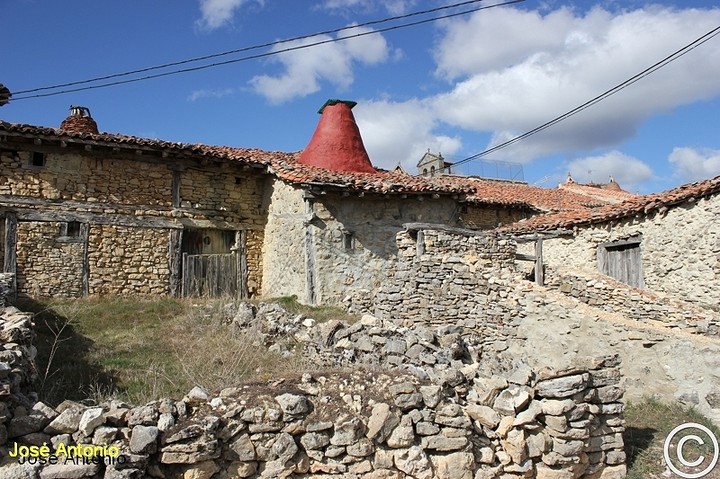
(90, 213)
(666, 242)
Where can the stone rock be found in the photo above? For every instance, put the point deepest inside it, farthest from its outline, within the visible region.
(284, 447)
(144, 439)
(382, 422)
(563, 386)
(203, 470)
(293, 406)
(414, 462)
(66, 423)
(91, 419)
(69, 471)
(241, 469)
(22, 425)
(484, 415)
(458, 465)
(243, 449)
(515, 446)
(347, 430)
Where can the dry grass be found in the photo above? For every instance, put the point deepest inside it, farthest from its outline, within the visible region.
(139, 350)
(648, 423)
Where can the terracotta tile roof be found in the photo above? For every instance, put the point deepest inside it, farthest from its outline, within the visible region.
(521, 194)
(608, 192)
(639, 205)
(245, 155)
(379, 182)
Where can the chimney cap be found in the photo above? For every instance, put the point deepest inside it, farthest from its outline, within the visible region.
(79, 121)
(351, 104)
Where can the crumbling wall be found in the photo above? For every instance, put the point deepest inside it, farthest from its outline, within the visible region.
(482, 216)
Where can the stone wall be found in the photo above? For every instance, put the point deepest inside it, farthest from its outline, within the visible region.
(445, 277)
(680, 249)
(354, 239)
(668, 348)
(76, 176)
(125, 260)
(636, 304)
(480, 216)
(363, 424)
(48, 264)
(129, 203)
(284, 272)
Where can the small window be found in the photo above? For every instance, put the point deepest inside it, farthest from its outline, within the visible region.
(37, 159)
(71, 229)
(432, 171)
(238, 180)
(348, 241)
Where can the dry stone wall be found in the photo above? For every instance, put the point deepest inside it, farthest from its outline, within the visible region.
(636, 304)
(544, 424)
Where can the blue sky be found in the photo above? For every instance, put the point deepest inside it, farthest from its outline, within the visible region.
(455, 86)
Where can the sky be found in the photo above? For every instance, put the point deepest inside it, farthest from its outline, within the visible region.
(455, 86)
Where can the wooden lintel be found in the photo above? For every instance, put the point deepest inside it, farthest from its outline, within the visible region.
(441, 227)
(524, 257)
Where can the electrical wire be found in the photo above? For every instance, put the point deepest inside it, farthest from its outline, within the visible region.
(258, 55)
(621, 86)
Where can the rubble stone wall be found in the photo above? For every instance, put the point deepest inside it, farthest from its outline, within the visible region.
(125, 260)
(355, 239)
(48, 264)
(487, 217)
(680, 249)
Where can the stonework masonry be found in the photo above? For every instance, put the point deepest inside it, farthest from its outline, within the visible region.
(545, 423)
(680, 249)
(470, 280)
(107, 221)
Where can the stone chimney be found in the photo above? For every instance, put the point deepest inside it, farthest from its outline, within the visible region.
(79, 121)
(337, 144)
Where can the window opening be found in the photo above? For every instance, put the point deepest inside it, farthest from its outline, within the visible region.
(37, 159)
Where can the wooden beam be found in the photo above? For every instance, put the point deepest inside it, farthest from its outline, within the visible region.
(242, 264)
(175, 261)
(85, 237)
(10, 260)
(441, 227)
(539, 270)
(524, 257)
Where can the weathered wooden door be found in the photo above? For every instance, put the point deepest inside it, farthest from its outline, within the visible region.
(209, 275)
(622, 260)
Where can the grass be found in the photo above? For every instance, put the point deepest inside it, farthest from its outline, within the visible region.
(648, 423)
(138, 350)
(318, 313)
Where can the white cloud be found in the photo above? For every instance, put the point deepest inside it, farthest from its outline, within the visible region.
(211, 93)
(394, 7)
(692, 164)
(216, 13)
(513, 70)
(627, 170)
(400, 133)
(332, 62)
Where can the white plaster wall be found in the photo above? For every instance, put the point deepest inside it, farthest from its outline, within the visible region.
(680, 249)
(284, 246)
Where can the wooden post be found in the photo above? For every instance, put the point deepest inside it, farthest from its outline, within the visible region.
(175, 261)
(539, 273)
(186, 275)
(242, 265)
(176, 180)
(10, 263)
(85, 236)
(309, 255)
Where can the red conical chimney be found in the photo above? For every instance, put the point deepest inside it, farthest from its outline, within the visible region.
(337, 144)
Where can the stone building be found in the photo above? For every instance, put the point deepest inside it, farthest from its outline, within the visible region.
(90, 213)
(666, 242)
(434, 165)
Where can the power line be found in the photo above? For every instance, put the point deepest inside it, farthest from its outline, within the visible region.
(621, 86)
(256, 47)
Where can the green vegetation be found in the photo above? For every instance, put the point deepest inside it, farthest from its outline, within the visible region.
(139, 350)
(648, 423)
(318, 313)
